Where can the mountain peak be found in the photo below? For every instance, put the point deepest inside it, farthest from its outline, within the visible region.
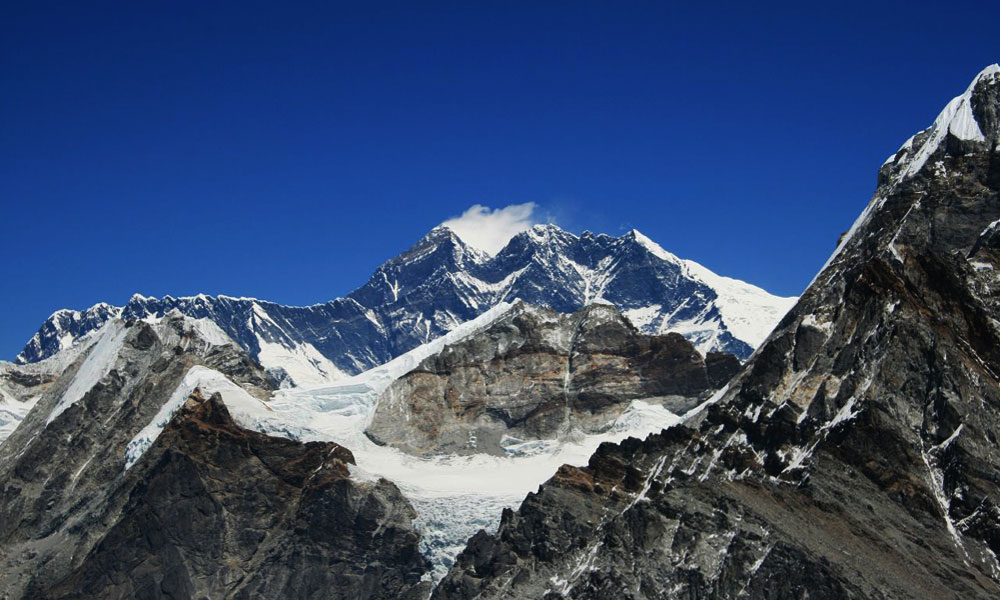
(546, 231)
(988, 72)
(441, 239)
(966, 122)
(546, 227)
(441, 232)
(650, 246)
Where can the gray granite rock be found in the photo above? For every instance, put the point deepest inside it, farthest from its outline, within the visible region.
(535, 374)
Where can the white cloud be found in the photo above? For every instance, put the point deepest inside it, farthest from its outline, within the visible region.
(490, 229)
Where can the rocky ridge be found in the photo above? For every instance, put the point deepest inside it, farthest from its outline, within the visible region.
(535, 374)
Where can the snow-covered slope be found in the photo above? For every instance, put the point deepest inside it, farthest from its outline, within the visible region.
(454, 496)
(22, 385)
(12, 409)
(442, 282)
(745, 310)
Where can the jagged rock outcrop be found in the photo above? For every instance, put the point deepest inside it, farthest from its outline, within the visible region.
(855, 454)
(720, 368)
(112, 486)
(442, 282)
(535, 374)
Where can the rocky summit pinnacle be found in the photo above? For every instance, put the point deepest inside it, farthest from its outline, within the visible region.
(855, 454)
(441, 282)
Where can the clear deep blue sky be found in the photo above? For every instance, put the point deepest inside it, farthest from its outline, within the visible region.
(283, 152)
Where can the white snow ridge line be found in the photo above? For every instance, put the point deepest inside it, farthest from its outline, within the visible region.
(209, 381)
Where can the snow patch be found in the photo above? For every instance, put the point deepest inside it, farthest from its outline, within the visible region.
(210, 331)
(644, 316)
(302, 363)
(12, 412)
(95, 367)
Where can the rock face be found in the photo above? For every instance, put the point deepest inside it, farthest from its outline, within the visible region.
(536, 374)
(20, 388)
(855, 454)
(441, 282)
(720, 368)
(110, 489)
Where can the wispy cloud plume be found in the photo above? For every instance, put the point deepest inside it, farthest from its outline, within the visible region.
(490, 229)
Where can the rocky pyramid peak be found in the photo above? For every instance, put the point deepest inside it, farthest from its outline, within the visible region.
(440, 245)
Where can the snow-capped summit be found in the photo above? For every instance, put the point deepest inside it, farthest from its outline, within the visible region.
(964, 122)
(442, 281)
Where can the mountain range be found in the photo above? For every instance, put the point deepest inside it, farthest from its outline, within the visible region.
(441, 282)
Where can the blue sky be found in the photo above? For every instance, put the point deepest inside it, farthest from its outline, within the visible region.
(283, 152)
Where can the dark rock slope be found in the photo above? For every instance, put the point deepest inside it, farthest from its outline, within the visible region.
(536, 374)
(855, 455)
(206, 509)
